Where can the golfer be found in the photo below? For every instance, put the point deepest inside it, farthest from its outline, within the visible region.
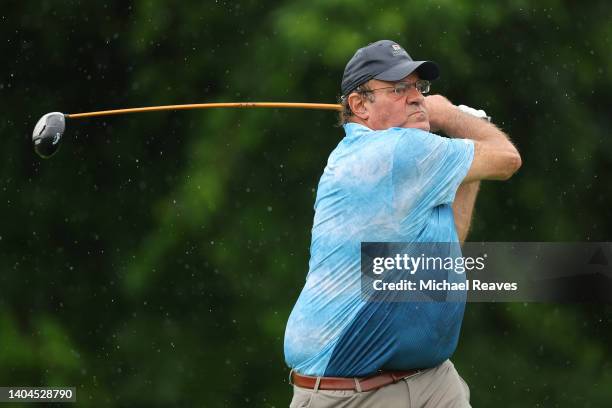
(390, 179)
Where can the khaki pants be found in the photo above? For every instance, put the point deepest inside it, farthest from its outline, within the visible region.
(440, 386)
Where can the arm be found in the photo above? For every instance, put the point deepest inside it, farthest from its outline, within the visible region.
(495, 157)
(463, 207)
(465, 198)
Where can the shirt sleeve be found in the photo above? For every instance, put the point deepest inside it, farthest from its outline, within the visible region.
(428, 169)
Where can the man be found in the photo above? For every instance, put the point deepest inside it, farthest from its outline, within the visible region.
(388, 180)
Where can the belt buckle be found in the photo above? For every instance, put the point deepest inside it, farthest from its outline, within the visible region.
(415, 372)
(396, 378)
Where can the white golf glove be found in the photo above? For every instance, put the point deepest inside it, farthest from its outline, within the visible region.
(479, 113)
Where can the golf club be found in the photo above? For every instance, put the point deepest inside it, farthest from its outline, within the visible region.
(50, 127)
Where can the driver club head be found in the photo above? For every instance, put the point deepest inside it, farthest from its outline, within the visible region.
(47, 134)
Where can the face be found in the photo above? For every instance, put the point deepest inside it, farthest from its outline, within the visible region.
(388, 110)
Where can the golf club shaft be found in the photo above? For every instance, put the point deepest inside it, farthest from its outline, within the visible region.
(325, 106)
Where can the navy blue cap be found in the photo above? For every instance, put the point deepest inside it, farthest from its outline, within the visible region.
(384, 60)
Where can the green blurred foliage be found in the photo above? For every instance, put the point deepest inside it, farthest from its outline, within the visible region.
(156, 258)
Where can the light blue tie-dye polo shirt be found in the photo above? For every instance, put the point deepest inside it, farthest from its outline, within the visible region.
(395, 185)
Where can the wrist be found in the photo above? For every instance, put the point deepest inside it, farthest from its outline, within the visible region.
(465, 123)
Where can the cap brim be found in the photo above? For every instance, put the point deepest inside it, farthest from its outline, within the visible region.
(426, 70)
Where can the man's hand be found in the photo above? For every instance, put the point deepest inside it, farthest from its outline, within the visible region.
(440, 111)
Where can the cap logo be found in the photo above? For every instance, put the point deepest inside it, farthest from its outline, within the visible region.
(397, 50)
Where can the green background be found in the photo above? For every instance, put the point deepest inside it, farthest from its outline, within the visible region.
(156, 258)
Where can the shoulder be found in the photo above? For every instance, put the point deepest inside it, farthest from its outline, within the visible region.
(419, 140)
(416, 135)
(415, 142)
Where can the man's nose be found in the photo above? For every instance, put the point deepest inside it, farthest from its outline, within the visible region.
(415, 97)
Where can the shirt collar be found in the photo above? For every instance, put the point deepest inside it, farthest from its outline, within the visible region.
(355, 129)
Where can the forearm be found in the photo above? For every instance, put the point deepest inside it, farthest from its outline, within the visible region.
(463, 208)
(458, 124)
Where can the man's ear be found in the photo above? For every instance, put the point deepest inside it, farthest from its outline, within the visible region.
(357, 105)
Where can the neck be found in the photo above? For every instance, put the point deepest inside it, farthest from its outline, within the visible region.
(359, 121)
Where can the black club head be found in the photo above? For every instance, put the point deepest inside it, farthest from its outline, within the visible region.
(47, 134)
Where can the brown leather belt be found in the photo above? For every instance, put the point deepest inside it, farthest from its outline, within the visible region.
(370, 383)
